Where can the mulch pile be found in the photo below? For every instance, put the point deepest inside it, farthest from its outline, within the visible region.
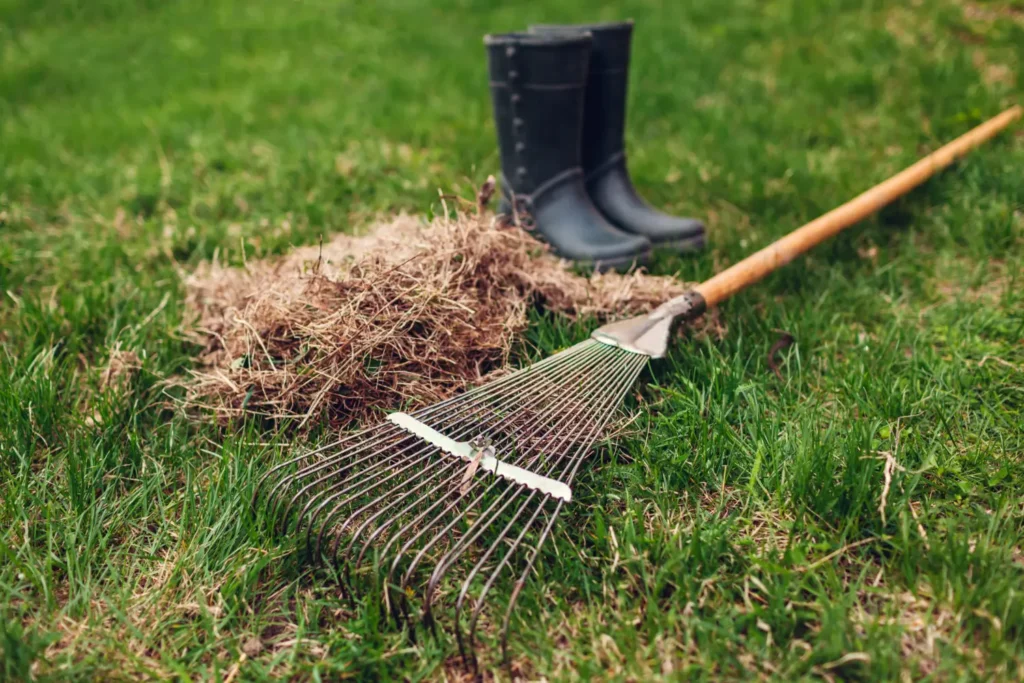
(408, 314)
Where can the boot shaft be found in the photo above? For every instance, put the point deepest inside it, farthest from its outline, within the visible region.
(603, 144)
(604, 121)
(537, 89)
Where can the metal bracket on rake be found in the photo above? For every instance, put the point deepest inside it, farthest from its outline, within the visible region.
(471, 452)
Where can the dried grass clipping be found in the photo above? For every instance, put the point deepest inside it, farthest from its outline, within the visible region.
(406, 315)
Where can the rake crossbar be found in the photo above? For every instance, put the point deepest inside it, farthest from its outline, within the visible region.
(483, 456)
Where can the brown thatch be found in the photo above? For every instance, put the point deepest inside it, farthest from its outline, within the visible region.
(408, 314)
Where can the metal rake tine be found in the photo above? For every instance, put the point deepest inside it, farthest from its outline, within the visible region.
(394, 432)
(465, 430)
(354, 536)
(623, 376)
(569, 366)
(394, 518)
(578, 458)
(408, 544)
(353, 452)
(517, 403)
(461, 543)
(553, 364)
(584, 402)
(356, 456)
(619, 377)
(418, 484)
(373, 452)
(437, 519)
(609, 403)
(608, 371)
(358, 444)
(539, 416)
(558, 368)
(478, 608)
(361, 435)
(518, 588)
(276, 468)
(584, 446)
(388, 581)
(604, 412)
(622, 370)
(338, 477)
(516, 376)
(419, 556)
(425, 452)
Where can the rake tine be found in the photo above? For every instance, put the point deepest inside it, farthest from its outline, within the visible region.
(356, 514)
(488, 408)
(461, 434)
(347, 472)
(444, 531)
(518, 588)
(458, 414)
(604, 404)
(627, 376)
(619, 370)
(358, 438)
(437, 518)
(314, 465)
(577, 459)
(334, 460)
(424, 478)
(341, 475)
(465, 431)
(454, 553)
(454, 467)
(426, 452)
(534, 419)
(327, 524)
(478, 608)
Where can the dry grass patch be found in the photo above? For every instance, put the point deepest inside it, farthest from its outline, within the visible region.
(928, 629)
(955, 281)
(986, 13)
(765, 530)
(121, 367)
(411, 312)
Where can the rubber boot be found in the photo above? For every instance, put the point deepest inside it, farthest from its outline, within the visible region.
(537, 89)
(604, 150)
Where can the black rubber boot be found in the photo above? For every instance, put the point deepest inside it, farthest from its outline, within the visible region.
(604, 156)
(537, 90)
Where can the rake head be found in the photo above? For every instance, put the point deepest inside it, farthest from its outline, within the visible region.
(444, 503)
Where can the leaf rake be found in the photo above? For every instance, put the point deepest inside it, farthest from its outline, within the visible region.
(445, 502)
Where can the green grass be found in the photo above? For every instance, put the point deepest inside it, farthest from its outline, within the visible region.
(737, 533)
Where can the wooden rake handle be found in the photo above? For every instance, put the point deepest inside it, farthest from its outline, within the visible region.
(758, 265)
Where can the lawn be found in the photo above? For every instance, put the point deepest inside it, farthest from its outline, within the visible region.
(855, 515)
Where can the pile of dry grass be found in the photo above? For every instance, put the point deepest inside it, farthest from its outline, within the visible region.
(408, 314)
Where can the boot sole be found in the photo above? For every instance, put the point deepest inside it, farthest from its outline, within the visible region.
(621, 264)
(686, 245)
